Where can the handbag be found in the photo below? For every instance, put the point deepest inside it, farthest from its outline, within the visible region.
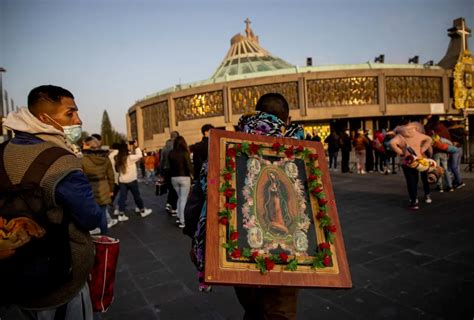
(161, 187)
(102, 278)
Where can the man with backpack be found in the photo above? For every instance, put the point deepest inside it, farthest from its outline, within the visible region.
(47, 210)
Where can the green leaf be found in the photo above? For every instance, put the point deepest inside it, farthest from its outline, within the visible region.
(246, 252)
(330, 237)
(233, 199)
(292, 265)
(321, 195)
(224, 213)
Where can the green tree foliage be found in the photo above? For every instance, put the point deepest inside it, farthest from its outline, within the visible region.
(108, 133)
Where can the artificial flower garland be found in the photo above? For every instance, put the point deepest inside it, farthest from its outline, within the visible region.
(265, 263)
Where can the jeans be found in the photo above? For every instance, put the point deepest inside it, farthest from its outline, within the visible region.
(333, 160)
(454, 164)
(133, 187)
(441, 159)
(172, 196)
(150, 176)
(103, 220)
(79, 308)
(380, 161)
(182, 185)
(411, 177)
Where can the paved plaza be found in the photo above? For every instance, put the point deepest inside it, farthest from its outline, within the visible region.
(404, 264)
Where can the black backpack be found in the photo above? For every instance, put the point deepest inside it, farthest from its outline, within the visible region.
(35, 255)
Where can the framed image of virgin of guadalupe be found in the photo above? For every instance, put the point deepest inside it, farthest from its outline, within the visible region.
(271, 214)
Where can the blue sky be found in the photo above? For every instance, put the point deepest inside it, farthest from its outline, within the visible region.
(110, 53)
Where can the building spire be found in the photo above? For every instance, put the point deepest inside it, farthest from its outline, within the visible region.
(249, 31)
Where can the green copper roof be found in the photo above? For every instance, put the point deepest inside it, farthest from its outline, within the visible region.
(247, 56)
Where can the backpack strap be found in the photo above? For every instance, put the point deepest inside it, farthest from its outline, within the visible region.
(3, 173)
(37, 169)
(41, 164)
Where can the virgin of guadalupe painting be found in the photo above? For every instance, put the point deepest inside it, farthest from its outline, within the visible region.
(271, 215)
(274, 212)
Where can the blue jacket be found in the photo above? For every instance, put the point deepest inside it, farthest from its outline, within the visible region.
(73, 193)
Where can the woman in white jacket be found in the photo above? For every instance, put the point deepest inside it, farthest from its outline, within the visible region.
(126, 167)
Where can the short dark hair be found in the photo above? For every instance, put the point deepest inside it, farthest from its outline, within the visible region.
(274, 103)
(206, 128)
(97, 136)
(46, 93)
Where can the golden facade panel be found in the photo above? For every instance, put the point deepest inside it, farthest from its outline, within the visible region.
(342, 92)
(203, 105)
(133, 125)
(411, 89)
(244, 99)
(155, 119)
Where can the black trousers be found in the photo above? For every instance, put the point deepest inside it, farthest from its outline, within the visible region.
(345, 161)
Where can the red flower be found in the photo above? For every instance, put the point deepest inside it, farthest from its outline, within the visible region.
(227, 176)
(269, 264)
(231, 152)
(238, 147)
(320, 215)
(300, 149)
(230, 205)
(276, 146)
(253, 149)
(223, 220)
(283, 257)
(331, 228)
(317, 190)
(312, 177)
(324, 245)
(322, 201)
(289, 152)
(236, 253)
(229, 192)
(327, 260)
(313, 156)
(234, 236)
(231, 164)
(254, 255)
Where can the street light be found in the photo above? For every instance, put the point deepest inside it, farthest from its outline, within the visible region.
(414, 60)
(2, 70)
(380, 58)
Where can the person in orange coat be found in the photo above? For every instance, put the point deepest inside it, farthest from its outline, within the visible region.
(150, 161)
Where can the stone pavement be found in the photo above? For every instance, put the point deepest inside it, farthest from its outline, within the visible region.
(404, 265)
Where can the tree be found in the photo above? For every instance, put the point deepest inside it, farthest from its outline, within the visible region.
(108, 133)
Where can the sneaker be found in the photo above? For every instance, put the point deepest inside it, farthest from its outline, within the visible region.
(112, 223)
(460, 186)
(441, 190)
(168, 207)
(428, 199)
(145, 212)
(414, 206)
(122, 217)
(363, 172)
(116, 212)
(181, 225)
(451, 189)
(95, 231)
(204, 287)
(178, 221)
(174, 213)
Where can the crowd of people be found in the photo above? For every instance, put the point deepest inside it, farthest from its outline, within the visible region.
(89, 187)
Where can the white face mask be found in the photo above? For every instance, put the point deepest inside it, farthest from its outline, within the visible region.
(73, 133)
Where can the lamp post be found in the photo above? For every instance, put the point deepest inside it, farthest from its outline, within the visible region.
(2, 112)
